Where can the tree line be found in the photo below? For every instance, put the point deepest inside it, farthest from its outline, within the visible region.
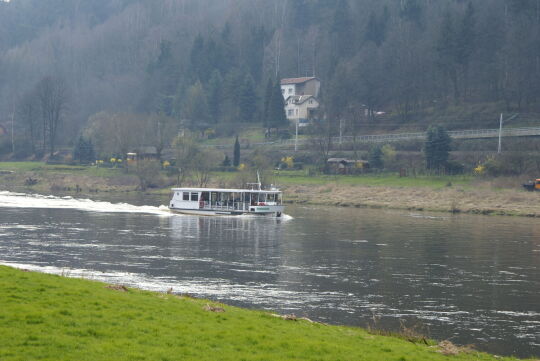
(203, 64)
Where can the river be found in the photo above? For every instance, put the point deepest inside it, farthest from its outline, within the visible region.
(469, 279)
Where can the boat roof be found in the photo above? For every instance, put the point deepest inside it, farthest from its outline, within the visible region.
(226, 190)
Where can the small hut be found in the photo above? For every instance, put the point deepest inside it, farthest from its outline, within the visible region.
(346, 166)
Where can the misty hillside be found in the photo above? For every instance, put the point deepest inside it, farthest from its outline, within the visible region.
(209, 61)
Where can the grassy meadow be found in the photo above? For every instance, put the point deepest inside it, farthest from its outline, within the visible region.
(47, 317)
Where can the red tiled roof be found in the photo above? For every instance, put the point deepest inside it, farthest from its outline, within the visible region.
(296, 80)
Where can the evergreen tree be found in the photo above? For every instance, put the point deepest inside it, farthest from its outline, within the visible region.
(447, 52)
(376, 27)
(437, 147)
(199, 59)
(214, 95)
(342, 28)
(232, 86)
(236, 155)
(248, 100)
(253, 51)
(276, 109)
(465, 44)
(376, 157)
(83, 152)
(226, 161)
(266, 106)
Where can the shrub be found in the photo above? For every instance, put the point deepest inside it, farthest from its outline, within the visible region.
(453, 167)
(507, 164)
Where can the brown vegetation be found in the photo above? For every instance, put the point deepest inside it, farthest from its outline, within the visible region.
(480, 199)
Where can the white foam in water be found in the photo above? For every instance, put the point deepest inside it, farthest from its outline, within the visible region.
(22, 200)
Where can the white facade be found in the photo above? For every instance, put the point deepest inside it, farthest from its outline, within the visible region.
(288, 90)
(301, 108)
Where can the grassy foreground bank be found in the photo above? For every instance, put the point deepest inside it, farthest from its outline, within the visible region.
(47, 317)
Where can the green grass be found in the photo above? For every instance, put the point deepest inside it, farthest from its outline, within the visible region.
(301, 177)
(382, 180)
(286, 177)
(46, 317)
(248, 132)
(42, 167)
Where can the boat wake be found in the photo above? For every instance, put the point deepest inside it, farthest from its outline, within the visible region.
(23, 200)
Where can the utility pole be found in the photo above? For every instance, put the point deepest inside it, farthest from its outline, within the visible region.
(340, 131)
(296, 136)
(500, 133)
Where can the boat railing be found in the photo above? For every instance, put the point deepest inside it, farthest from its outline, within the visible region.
(225, 205)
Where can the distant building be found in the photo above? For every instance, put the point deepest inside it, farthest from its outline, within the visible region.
(300, 86)
(301, 101)
(301, 109)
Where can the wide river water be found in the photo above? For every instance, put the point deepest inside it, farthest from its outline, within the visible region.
(469, 279)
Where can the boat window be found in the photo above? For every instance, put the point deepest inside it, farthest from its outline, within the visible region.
(186, 196)
(194, 196)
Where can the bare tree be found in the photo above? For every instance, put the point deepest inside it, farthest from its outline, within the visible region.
(116, 133)
(28, 113)
(320, 140)
(52, 95)
(147, 171)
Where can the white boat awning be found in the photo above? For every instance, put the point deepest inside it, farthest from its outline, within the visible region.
(225, 190)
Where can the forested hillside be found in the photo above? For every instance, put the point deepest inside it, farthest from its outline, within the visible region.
(71, 65)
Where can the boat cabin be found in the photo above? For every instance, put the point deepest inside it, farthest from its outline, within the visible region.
(231, 200)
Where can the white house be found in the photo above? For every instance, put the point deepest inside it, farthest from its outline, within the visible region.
(300, 86)
(301, 109)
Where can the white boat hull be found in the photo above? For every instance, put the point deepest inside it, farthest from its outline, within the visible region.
(269, 211)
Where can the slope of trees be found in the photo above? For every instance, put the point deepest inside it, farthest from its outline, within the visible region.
(204, 63)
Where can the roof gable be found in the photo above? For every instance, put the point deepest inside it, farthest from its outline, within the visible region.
(297, 80)
(300, 99)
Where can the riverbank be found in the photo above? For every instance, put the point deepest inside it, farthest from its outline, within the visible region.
(58, 318)
(449, 199)
(465, 194)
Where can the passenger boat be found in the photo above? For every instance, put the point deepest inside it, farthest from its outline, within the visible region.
(222, 201)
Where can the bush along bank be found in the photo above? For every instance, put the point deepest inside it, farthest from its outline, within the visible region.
(51, 317)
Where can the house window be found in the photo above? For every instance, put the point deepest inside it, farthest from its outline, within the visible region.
(310, 101)
(290, 112)
(185, 196)
(296, 111)
(290, 90)
(282, 91)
